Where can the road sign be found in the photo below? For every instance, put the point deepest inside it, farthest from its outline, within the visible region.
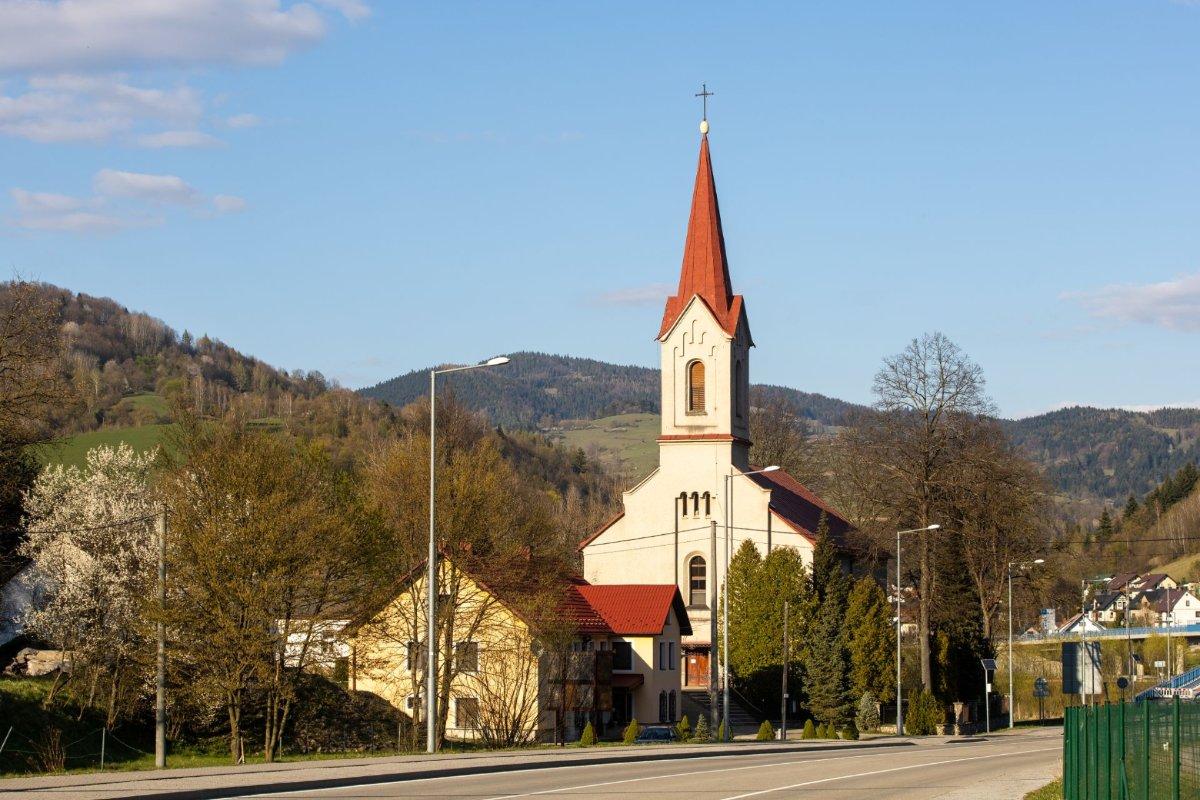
(1122, 683)
(1041, 688)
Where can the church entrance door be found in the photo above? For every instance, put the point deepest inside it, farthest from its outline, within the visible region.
(697, 668)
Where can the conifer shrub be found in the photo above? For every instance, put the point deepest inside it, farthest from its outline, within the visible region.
(765, 732)
(588, 737)
(850, 732)
(721, 731)
(925, 713)
(830, 730)
(810, 730)
(867, 716)
(631, 731)
(683, 729)
(702, 733)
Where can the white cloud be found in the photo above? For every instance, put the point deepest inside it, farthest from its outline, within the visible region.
(1174, 305)
(35, 202)
(142, 186)
(353, 10)
(648, 295)
(44, 211)
(178, 139)
(228, 203)
(54, 35)
(243, 121)
(96, 108)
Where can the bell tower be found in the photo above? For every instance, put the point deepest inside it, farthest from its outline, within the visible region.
(705, 337)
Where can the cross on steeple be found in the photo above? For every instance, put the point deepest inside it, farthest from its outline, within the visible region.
(704, 93)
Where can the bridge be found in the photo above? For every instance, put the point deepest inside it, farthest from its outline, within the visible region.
(1190, 633)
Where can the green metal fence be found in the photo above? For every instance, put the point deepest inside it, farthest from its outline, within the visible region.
(1132, 751)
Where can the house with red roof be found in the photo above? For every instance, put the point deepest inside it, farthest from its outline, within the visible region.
(529, 664)
(680, 525)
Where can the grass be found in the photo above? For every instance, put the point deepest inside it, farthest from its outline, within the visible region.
(1051, 791)
(72, 450)
(1183, 568)
(625, 441)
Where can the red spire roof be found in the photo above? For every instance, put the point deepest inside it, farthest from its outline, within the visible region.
(705, 271)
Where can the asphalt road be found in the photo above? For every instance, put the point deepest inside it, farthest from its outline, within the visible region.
(1000, 768)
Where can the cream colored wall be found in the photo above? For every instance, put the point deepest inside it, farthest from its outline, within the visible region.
(645, 662)
(381, 655)
(698, 336)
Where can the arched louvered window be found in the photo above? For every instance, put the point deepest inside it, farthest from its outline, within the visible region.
(708, 504)
(695, 377)
(695, 504)
(737, 389)
(683, 500)
(697, 582)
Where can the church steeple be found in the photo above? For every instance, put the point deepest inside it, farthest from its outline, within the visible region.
(705, 270)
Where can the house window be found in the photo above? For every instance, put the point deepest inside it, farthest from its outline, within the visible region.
(622, 655)
(662, 707)
(671, 706)
(698, 580)
(466, 656)
(662, 655)
(695, 378)
(671, 662)
(466, 713)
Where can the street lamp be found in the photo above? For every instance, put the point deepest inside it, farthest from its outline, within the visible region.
(725, 594)
(899, 699)
(1022, 566)
(431, 577)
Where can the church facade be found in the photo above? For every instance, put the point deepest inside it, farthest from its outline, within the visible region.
(666, 532)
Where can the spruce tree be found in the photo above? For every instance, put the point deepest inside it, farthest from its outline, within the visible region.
(1131, 508)
(1104, 530)
(684, 729)
(867, 718)
(827, 665)
(870, 641)
(826, 566)
(702, 734)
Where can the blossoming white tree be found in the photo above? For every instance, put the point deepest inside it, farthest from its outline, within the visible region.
(91, 537)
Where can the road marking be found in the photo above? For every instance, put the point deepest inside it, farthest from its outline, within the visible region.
(883, 771)
(664, 759)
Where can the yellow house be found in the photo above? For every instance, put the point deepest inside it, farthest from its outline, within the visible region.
(519, 665)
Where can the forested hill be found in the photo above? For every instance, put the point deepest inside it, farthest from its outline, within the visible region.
(537, 389)
(1087, 453)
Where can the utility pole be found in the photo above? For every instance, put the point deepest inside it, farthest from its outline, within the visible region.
(160, 680)
(784, 702)
(899, 699)
(712, 625)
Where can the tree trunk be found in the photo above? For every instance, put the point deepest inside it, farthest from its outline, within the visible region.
(234, 709)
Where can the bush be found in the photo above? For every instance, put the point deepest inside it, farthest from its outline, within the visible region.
(925, 713)
(810, 730)
(850, 732)
(631, 731)
(702, 734)
(683, 729)
(765, 732)
(868, 712)
(329, 719)
(588, 737)
(721, 731)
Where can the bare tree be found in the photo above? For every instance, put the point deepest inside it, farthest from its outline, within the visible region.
(902, 456)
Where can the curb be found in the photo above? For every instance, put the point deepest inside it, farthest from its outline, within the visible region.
(272, 785)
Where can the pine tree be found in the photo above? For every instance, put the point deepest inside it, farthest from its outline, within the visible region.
(826, 566)
(684, 729)
(868, 713)
(702, 734)
(1131, 508)
(588, 737)
(827, 664)
(1104, 530)
(870, 640)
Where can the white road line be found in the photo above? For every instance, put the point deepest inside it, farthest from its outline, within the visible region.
(675, 775)
(882, 772)
(665, 758)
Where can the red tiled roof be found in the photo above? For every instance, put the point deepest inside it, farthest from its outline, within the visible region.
(576, 609)
(705, 271)
(637, 609)
(799, 507)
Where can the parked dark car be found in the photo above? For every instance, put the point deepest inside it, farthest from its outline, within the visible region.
(657, 734)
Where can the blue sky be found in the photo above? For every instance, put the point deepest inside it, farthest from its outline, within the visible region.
(366, 188)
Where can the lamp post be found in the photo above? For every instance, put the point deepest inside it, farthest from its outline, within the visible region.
(725, 594)
(1022, 566)
(899, 698)
(431, 577)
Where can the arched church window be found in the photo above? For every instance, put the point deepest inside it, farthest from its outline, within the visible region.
(708, 504)
(697, 582)
(695, 377)
(683, 502)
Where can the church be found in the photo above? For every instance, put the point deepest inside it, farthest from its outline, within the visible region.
(665, 533)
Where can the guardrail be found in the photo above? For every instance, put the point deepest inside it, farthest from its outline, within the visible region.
(1114, 633)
